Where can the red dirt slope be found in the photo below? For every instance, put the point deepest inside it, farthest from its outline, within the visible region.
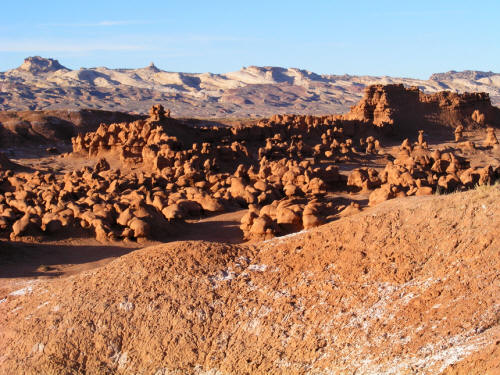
(409, 286)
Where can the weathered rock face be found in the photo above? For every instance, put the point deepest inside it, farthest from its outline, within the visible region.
(401, 109)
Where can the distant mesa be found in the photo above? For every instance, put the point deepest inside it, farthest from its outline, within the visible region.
(37, 64)
(466, 74)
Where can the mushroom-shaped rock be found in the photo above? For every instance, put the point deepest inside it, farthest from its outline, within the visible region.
(469, 177)
(364, 178)
(449, 182)
(269, 210)
(248, 218)
(311, 216)
(288, 217)
(140, 228)
(209, 203)
(420, 137)
(51, 223)
(486, 175)
(247, 222)
(26, 225)
(316, 186)
(491, 138)
(292, 190)
(101, 233)
(459, 130)
(262, 226)
(173, 211)
(157, 113)
(124, 217)
(182, 209)
(261, 185)
(237, 188)
(380, 195)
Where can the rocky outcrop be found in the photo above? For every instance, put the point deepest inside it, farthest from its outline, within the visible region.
(402, 110)
(418, 171)
(184, 172)
(491, 138)
(37, 65)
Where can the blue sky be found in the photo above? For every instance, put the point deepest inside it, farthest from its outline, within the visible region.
(398, 38)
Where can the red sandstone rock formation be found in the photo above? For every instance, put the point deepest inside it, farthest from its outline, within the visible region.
(399, 109)
(284, 167)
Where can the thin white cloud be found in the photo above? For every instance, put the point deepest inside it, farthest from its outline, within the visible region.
(419, 13)
(104, 23)
(156, 43)
(34, 46)
(215, 38)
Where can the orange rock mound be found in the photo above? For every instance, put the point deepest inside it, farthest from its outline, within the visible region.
(410, 286)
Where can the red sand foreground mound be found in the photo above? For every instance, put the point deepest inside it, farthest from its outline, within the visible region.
(409, 286)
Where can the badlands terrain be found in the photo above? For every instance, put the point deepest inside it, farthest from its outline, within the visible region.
(363, 241)
(42, 84)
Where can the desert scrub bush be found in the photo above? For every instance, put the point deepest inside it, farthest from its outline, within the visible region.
(485, 190)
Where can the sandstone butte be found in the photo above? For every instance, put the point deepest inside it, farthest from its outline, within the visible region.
(410, 286)
(375, 271)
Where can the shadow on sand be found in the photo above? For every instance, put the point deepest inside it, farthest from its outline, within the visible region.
(19, 259)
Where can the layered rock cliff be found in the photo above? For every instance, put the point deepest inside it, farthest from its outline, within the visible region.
(409, 109)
